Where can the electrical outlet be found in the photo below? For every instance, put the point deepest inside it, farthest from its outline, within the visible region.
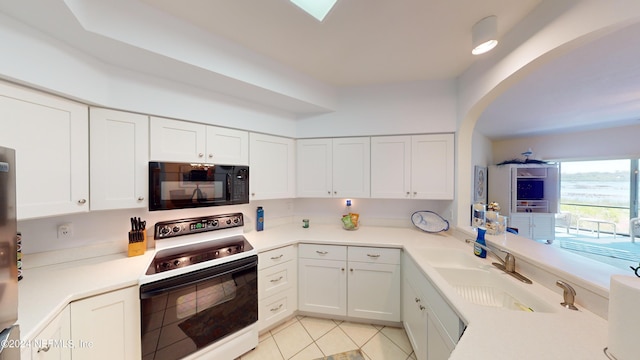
(65, 231)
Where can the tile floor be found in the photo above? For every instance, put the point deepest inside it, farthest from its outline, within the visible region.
(307, 338)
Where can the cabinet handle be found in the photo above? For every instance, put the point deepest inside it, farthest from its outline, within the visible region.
(422, 307)
(322, 252)
(276, 280)
(276, 257)
(82, 201)
(329, 192)
(44, 349)
(342, 269)
(418, 300)
(335, 192)
(415, 193)
(373, 255)
(140, 198)
(210, 156)
(277, 308)
(351, 269)
(200, 155)
(408, 193)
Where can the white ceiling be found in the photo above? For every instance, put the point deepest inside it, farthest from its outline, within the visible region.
(360, 42)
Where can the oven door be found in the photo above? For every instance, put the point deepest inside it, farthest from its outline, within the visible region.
(183, 314)
(183, 185)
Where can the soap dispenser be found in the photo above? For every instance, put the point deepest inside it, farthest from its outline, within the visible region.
(477, 250)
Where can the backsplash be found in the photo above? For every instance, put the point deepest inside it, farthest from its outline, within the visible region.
(108, 229)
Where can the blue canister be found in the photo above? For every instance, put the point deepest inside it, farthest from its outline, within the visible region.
(260, 219)
(477, 250)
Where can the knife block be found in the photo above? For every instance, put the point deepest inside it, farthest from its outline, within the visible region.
(137, 243)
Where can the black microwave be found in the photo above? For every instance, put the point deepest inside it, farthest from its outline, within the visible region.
(184, 185)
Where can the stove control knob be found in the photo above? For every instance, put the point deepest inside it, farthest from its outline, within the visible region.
(236, 220)
(228, 221)
(176, 229)
(213, 223)
(165, 230)
(176, 263)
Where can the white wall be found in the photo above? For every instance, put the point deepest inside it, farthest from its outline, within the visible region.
(403, 108)
(615, 143)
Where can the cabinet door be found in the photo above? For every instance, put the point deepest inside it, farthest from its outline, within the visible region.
(110, 323)
(522, 222)
(227, 146)
(414, 318)
(543, 227)
(53, 342)
(391, 167)
(180, 141)
(272, 162)
(432, 166)
(351, 167)
(51, 139)
(439, 346)
(119, 159)
(374, 291)
(322, 286)
(314, 168)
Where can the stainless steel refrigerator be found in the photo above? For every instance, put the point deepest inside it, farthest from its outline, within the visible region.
(8, 257)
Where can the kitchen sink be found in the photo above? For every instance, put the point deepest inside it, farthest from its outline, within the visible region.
(492, 288)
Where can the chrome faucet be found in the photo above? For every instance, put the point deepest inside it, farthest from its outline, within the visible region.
(507, 265)
(569, 295)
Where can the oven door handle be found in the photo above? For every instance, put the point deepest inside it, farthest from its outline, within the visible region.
(163, 286)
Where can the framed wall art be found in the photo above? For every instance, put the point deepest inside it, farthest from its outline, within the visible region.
(480, 184)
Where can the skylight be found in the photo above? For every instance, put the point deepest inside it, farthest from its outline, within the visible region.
(316, 8)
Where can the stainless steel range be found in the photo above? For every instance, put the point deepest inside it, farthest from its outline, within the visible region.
(199, 296)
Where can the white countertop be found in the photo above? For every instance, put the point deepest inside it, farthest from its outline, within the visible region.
(491, 333)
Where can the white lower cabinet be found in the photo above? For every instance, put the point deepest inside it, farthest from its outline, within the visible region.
(54, 341)
(277, 286)
(107, 326)
(353, 281)
(431, 324)
(536, 226)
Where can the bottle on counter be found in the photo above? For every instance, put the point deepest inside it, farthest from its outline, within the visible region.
(260, 219)
(477, 250)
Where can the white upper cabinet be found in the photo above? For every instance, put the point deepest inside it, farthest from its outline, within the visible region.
(337, 167)
(227, 146)
(314, 168)
(182, 141)
(391, 167)
(432, 166)
(412, 167)
(51, 139)
(119, 156)
(272, 167)
(351, 167)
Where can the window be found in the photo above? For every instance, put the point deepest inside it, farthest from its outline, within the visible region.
(599, 198)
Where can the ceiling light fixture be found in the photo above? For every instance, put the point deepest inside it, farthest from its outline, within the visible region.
(316, 8)
(484, 35)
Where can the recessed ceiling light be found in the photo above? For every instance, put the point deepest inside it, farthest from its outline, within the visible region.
(316, 8)
(484, 35)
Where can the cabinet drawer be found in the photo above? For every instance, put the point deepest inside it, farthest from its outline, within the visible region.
(276, 279)
(374, 255)
(327, 252)
(275, 308)
(276, 256)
